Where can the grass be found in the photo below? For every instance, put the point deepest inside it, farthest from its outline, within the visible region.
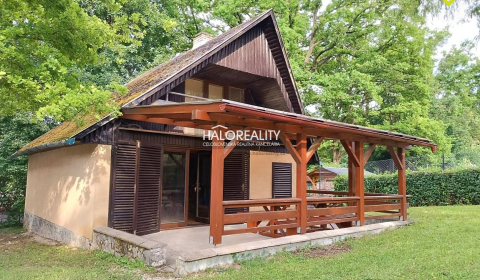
(21, 257)
(443, 244)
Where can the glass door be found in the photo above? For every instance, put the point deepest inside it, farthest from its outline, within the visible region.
(202, 187)
(173, 188)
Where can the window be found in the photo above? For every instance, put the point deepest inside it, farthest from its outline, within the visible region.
(236, 94)
(215, 92)
(281, 180)
(195, 88)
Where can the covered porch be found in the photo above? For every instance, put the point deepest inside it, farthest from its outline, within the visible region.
(309, 210)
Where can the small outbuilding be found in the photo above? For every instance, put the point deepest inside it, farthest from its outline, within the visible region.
(323, 180)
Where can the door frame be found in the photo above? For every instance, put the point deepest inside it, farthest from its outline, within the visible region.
(204, 220)
(176, 149)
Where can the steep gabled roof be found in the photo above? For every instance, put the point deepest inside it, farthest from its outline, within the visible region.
(149, 83)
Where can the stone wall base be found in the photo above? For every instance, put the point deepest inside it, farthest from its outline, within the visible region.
(55, 232)
(125, 244)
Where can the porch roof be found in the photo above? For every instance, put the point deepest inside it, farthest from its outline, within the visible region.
(208, 113)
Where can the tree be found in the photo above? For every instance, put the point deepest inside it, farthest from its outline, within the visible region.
(457, 100)
(15, 132)
(370, 63)
(151, 32)
(40, 43)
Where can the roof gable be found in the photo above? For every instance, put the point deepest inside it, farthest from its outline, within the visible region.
(148, 87)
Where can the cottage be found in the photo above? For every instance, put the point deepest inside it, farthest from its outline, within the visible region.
(158, 167)
(323, 179)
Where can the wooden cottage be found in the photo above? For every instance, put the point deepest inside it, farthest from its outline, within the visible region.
(151, 169)
(323, 178)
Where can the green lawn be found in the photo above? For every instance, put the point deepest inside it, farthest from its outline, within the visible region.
(21, 257)
(443, 244)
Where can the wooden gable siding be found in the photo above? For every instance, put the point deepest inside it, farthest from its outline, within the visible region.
(281, 59)
(253, 55)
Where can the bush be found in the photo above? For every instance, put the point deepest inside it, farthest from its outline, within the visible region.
(427, 188)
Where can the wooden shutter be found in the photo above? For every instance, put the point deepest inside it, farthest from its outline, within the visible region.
(136, 191)
(148, 189)
(236, 179)
(123, 192)
(281, 180)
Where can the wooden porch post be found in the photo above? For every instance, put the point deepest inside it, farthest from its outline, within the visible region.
(402, 183)
(398, 158)
(351, 180)
(216, 192)
(359, 181)
(351, 175)
(301, 179)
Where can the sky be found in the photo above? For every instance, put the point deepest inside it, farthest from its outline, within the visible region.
(460, 26)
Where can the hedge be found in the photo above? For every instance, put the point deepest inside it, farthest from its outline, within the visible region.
(427, 188)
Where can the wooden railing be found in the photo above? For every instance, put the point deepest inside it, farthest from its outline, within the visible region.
(280, 217)
(346, 193)
(328, 210)
(387, 204)
(273, 216)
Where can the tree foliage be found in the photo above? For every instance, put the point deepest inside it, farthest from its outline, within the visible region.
(15, 132)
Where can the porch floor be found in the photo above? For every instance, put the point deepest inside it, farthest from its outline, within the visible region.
(188, 249)
(196, 238)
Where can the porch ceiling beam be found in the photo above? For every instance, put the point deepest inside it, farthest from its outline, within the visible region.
(286, 142)
(351, 137)
(185, 124)
(200, 115)
(351, 154)
(369, 152)
(311, 151)
(396, 159)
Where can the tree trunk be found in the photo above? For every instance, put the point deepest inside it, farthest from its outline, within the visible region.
(338, 152)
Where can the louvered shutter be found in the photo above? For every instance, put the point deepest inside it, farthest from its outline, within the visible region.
(123, 193)
(148, 189)
(136, 193)
(281, 180)
(236, 179)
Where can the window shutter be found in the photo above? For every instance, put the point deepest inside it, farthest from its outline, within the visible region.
(136, 193)
(281, 180)
(123, 192)
(149, 189)
(236, 179)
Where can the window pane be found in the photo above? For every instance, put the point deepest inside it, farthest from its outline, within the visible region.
(173, 188)
(236, 94)
(215, 92)
(195, 88)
